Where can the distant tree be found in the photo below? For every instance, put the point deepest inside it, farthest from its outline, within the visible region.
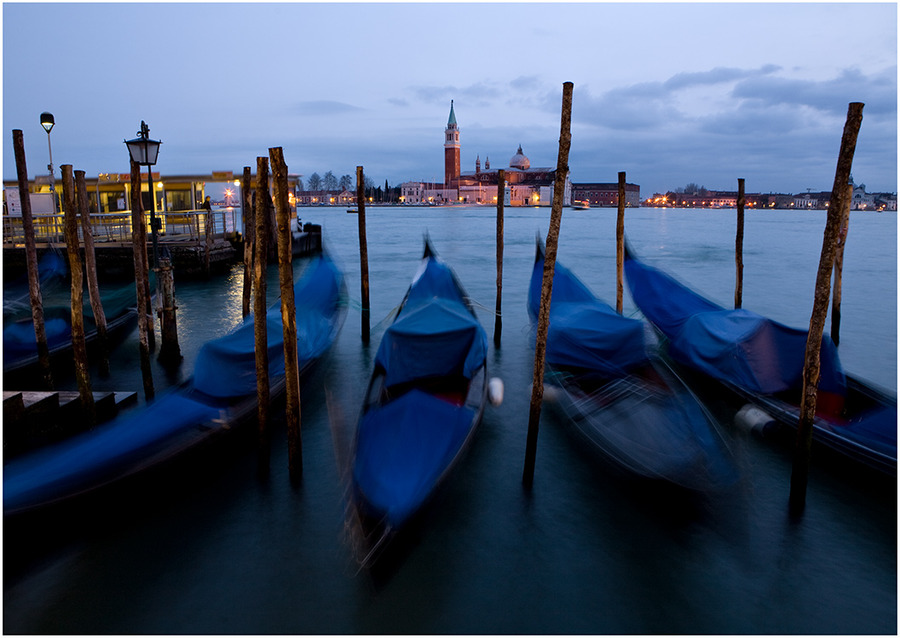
(329, 182)
(346, 182)
(315, 182)
(300, 184)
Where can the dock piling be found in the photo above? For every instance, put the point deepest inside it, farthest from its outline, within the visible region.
(498, 314)
(249, 221)
(31, 261)
(169, 350)
(259, 309)
(363, 252)
(839, 268)
(142, 287)
(537, 389)
(79, 345)
(620, 243)
(739, 247)
(811, 367)
(90, 266)
(288, 313)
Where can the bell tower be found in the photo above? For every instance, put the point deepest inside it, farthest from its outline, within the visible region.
(451, 151)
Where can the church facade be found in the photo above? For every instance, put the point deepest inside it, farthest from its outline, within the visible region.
(523, 185)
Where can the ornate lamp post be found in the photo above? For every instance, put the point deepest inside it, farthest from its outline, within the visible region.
(47, 123)
(144, 152)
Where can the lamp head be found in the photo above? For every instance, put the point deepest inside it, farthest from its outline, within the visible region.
(143, 150)
(47, 121)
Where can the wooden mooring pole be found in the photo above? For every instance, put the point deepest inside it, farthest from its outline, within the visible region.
(363, 252)
(288, 313)
(169, 350)
(142, 288)
(620, 244)
(811, 367)
(739, 247)
(31, 261)
(839, 268)
(498, 313)
(90, 266)
(537, 388)
(259, 309)
(79, 345)
(249, 221)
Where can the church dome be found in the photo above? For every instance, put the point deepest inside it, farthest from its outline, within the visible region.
(519, 160)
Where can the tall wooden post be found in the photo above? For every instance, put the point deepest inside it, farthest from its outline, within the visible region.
(90, 265)
(839, 268)
(498, 313)
(288, 313)
(739, 247)
(620, 244)
(363, 251)
(79, 346)
(811, 367)
(259, 308)
(31, 261)
(142, 288)
(249, 220)
(537, 389)
(169, 351)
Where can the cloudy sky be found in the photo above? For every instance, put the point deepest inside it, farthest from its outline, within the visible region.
(669, 93)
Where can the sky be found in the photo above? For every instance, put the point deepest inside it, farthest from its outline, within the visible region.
(670, 93)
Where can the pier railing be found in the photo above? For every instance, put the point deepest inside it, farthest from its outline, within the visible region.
(117, 227)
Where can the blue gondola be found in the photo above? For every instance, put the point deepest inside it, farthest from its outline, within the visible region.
(625, 401)
(220, 395)
(424, 402)
(762, 361)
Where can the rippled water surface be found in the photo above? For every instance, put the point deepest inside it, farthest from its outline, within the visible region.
(215, 548)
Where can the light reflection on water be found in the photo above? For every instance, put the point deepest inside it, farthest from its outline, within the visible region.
(586, 551)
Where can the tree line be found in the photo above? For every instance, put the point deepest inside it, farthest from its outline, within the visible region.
(329, 182)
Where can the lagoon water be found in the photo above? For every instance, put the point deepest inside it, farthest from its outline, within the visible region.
(222, 550)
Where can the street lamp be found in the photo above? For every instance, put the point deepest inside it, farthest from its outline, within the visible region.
(47, 122)
(144, 152)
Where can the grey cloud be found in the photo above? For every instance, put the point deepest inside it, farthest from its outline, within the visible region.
(324, 107)
(718, 75)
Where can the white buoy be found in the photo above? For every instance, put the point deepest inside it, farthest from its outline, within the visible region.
(751, 419)
(495, 391)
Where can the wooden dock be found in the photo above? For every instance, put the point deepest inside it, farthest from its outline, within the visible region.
(32, 419)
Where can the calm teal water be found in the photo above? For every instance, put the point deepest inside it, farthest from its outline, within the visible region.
(221, 550)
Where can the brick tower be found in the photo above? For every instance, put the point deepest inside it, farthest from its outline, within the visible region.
(451, 151)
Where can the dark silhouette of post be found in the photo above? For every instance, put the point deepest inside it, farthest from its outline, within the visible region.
(141, 285)
(79, 345)
(259, 308)
(363, 252)
(811, 367)
(739, 247)
(169, 351)
(31, 261)
(498, 313)
(537, 389)
(620, 243)
(839, 268)
(288, 313)
(90, 271)
(249, 220)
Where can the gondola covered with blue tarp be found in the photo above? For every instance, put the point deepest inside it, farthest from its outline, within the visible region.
(621, 398)
(762, 360)
(424, 402)
(206, 405)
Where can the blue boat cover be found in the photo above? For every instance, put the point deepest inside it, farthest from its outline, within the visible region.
(737, 346)
(584, 332)
(404, 447)
(226, 367)
(434, 334)
(102, 454)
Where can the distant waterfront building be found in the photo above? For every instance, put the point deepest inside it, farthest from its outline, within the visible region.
(525, 186)
(605, 194)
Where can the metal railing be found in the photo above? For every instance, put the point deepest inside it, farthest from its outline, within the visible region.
(117, 227)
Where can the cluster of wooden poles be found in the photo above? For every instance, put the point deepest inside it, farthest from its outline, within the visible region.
(831, 261)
